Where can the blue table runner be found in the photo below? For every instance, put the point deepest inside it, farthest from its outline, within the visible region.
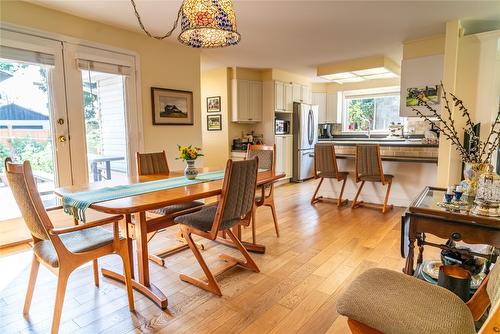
(77, 203)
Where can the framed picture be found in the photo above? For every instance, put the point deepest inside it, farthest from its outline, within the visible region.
(172, 107)
(213, 104)
(214, 122)
(429, 94)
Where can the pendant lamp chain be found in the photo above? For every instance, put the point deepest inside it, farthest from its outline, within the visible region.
(168, 34)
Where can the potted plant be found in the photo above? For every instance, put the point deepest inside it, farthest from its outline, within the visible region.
(477, 158)
(189, 154)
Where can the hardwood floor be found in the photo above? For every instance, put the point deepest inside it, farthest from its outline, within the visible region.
(320, 250)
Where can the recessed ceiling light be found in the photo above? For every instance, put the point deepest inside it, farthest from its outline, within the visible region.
(355, 79)
(371, 71)
(337, 76)
(387, 75)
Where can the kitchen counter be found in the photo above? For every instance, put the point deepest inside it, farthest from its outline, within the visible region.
(379, 141)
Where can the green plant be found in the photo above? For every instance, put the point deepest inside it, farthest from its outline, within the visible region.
(39, 153)
(4, 153)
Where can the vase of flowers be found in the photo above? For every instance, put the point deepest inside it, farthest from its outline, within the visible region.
(478, 156)
(189, 154)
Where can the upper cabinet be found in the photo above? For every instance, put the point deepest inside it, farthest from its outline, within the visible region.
(246, 101)
(327, 107)
(285, 94)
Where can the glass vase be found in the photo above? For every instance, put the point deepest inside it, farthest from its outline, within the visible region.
(487, 201)
(472, 172)
(190, 172)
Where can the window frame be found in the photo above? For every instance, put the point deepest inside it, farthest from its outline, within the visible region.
(366, 93)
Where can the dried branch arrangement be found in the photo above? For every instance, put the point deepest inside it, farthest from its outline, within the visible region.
(480, 152)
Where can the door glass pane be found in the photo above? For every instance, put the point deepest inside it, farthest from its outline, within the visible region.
(25, 130)
(104, 107)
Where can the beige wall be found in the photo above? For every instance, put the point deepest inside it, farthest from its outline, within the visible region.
(163, 64)
(215, 144)
(423, 47)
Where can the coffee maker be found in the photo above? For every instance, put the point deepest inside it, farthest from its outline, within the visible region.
(325, 130)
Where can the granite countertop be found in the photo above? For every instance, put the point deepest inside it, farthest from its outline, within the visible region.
(380, 141)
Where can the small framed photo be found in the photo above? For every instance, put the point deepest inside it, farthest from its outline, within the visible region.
(172, 107)
(214, 122)
(213, 104)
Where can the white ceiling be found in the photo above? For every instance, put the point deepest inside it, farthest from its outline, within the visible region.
(298, 35)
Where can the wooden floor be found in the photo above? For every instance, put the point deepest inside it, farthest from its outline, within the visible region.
(321, 249)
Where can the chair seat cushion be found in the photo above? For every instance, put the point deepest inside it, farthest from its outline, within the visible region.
(332, 175)
(395, 303)
(375, 178)
(76, 242)
(203, 219)
(167, 210)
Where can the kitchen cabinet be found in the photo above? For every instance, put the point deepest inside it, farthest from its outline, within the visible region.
(284, 156)
(289, 97)
(306, 94)
(279, 96)
(246, 101)
(319, 99)
(296, 92)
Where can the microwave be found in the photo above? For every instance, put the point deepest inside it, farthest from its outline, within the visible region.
(281, 127)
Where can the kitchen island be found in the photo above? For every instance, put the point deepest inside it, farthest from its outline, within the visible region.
(413, 164)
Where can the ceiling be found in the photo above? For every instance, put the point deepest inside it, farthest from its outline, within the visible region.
(299, 35)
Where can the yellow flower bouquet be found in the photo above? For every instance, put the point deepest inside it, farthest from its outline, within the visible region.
(189, 152)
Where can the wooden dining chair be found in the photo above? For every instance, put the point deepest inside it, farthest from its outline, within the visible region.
(156, 164)
(325, 167)
(265, 195)
(234, 207)
(385, 301)
(369, 169)
(64, 249)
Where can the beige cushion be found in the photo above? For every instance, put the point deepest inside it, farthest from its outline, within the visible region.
(76, 242)
(493, 286)
(395, 303)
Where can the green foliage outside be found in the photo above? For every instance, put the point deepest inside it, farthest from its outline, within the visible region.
(360, 114)
(92, 122)
(4, 153)
(38, 153)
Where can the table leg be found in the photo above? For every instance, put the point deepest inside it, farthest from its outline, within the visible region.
(420, 243)
(142, 284)
(409, 259)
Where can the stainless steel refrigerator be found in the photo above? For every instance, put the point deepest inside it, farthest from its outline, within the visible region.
(305, 136)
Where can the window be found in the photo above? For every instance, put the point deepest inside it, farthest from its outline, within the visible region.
(370, 110)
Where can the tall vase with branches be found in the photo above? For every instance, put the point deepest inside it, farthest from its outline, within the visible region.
(478, 157)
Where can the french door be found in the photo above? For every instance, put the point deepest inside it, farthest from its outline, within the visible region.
(62, 104)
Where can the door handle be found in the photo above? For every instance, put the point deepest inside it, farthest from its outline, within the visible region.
(61, 139)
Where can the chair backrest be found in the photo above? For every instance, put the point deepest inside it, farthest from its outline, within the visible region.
(28, 199)
(152, 163)
(238, 194)
(266, 155)
(368, 162)
(493, 285)
(325, 161)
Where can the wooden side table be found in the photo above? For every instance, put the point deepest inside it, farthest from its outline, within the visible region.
(425, 216)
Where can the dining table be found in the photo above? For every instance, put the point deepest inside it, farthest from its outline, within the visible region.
(135, 208)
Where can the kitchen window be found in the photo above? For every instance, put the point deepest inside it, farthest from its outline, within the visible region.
(370, 110)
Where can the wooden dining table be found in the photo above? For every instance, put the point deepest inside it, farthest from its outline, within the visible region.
(136, 207)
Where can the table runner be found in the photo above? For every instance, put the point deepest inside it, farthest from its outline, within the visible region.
(77, 203)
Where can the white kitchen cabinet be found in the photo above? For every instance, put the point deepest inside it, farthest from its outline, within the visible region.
(306, 94)
(247, 101)
(289, 97)
(331, 107)
(279, 96)
(296, 92)
(284, 156)
(319, 99)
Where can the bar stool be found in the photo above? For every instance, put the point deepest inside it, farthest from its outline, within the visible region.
(325, 167)
(369, 168)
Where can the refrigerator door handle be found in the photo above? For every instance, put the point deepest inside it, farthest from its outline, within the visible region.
(309, 127)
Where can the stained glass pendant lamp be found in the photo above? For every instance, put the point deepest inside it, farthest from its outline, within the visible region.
(204, 24)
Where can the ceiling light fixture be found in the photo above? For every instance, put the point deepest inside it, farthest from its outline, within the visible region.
(204, 24)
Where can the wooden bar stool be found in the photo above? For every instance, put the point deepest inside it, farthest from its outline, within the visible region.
(369, 168)
(325, 167)
(265, 196)
(156, 164)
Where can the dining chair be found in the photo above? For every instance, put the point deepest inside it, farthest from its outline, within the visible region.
(234, 207)
(265, 195)
(369, 169)
(63, 249)
(325, 167)
(155, 163)
(385, 301)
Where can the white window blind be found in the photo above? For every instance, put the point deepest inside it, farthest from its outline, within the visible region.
(26, 56)
(98, 66)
